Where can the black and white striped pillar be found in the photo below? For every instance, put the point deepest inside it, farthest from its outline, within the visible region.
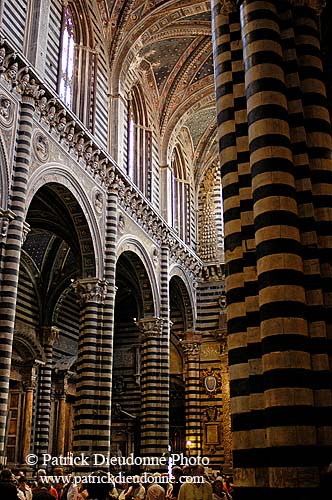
(13, 233)
(49, 335)
(154, 425)
(191, 350)
(92, 409)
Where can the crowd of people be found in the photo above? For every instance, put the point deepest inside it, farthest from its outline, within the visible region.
(186, 484)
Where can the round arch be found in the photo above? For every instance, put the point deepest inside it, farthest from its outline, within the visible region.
(179, 277)
(58, 174)
(131, 244)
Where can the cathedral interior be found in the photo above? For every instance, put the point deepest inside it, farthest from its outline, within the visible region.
(166, 234)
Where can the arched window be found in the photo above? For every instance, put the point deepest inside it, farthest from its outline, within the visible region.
(67, 59)
(78, 64)
(180, 195)
(139, 143)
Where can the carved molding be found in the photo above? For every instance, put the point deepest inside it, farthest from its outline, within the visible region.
(90, 290)
(316, 5)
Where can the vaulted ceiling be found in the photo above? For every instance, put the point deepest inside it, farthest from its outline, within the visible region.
(170, 42)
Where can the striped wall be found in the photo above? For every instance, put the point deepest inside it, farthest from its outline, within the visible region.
(27, 307)
(53, 44)
(13, 22)
(101, 121)
(271, 103)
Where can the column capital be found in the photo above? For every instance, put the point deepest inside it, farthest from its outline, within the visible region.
(5, 217)
(29, 89)
(316, 5)
(191, 350)
(30, 382)
(50, 335)
(150, 327)
(90, 290)
(227, 6)
(26, 231)
(114, 183)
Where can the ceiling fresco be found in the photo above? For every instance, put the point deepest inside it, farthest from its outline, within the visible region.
(164, 55)
(199, 122)
(173, 39)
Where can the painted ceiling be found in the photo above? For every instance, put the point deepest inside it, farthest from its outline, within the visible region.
(171, 40)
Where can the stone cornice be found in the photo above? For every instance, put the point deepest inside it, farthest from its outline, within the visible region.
(64, 127)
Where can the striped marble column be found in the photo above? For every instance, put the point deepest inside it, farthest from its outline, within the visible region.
(49, 336)
(191, 350)
(164, 348)
(114, 188)
(29, 386)
(13, 231)
(92, 410)
(317, 127)
(280, 451)
(154, 422)
(277, 347)
(226, 47)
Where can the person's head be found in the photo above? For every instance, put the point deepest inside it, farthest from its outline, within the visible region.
(198, 470)
(59, 486)
(22, 482)
(218, 485)
(98, 490)
(6, 475)
(41, 472)
(177, 472)
(43, 485)
(186, 471)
